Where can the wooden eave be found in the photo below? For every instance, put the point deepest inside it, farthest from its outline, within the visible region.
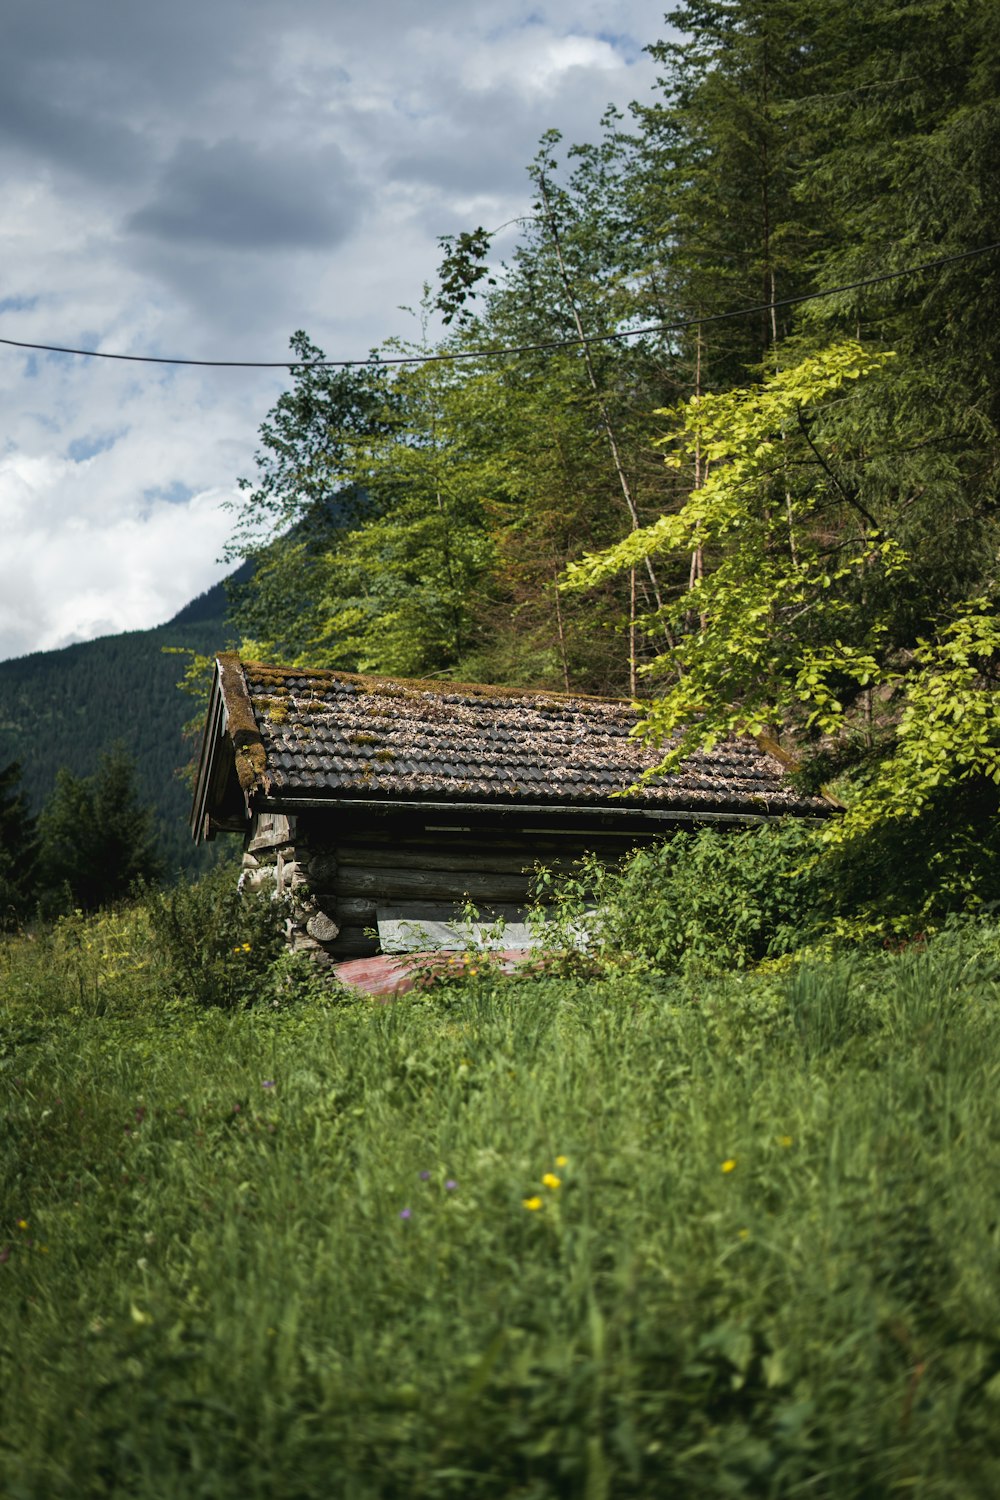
(231, 765)
(557, 814)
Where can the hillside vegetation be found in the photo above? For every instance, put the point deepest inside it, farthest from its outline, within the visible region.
(629, 1234)
(715, 425)
(69, 707)
(719, 431)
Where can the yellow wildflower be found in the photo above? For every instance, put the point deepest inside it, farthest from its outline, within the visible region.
(561, 1161)
(729, 1165)
(22, 1223)
(786, 1140)
(551, 1180)
(532, 1203)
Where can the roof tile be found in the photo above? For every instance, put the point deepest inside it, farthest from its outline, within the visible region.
(341, 735)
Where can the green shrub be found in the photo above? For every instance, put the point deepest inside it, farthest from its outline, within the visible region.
(910, 874)
(196, 946)
(216, 944)
(713, 901)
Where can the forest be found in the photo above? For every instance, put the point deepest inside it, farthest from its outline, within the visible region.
(96, 732)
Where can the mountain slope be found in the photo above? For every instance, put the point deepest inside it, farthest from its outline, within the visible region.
(63, 708)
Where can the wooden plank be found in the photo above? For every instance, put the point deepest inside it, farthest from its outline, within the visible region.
(441, 911)
(507, 841)
(504, 834)
(459, 871)
(436, 857)
(352, 943)
(445, 885)
(365, 911)
(351, 910)
(471, 860)
(355, 911)
(271, 831)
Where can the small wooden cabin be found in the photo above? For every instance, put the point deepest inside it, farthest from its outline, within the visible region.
(382, 805)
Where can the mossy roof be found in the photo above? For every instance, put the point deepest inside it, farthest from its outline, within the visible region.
(338, 735)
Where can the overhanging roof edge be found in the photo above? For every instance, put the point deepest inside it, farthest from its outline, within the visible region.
(291, 804)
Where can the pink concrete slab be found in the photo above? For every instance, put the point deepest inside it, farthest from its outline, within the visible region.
(394, 974)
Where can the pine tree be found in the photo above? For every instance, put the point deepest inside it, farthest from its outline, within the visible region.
(18, 850)
(718, 157)
(97, 838)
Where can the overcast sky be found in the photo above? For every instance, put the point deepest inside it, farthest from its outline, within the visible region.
(203, 178)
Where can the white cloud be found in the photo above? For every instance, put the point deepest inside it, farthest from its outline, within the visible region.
(533, 63)
(137, 569)
(202, 180)
(144, 568)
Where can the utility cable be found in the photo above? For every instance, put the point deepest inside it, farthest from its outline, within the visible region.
(502, 351)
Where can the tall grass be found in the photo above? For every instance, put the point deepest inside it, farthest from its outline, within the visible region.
(633, 1237)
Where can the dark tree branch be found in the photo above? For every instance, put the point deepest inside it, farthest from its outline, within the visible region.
(848, 498)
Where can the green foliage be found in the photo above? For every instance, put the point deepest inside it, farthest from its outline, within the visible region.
(799, 615)
(699, 1232)
(709, 902)
(218, 944)
(773, 624)
(399, 588)
(908, 874)
(717, 169)
(818, 556)
(170, 953)
(18, 851)
(67, 707)
(96, 837)
(260, 1248)
(308, 492)
(948, 730)
(481, 479)
(384, 541)
(82, 965)
(904, 163)
(463, 266)
(304, 464)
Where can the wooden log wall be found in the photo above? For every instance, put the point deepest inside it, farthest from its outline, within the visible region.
(341, 870)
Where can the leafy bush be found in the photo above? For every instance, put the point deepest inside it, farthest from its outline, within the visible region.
(911, 873)
(713, 901)
(219, 943)
(83, 965)
(166, 953)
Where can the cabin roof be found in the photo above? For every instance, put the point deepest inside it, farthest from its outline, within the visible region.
(287, 736)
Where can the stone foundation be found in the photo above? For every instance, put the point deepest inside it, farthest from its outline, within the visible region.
(278, 860)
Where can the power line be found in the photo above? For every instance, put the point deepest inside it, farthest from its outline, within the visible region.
(503, 350)
(868, 88)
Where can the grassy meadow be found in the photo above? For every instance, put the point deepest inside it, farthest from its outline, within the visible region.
(605, 1235)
